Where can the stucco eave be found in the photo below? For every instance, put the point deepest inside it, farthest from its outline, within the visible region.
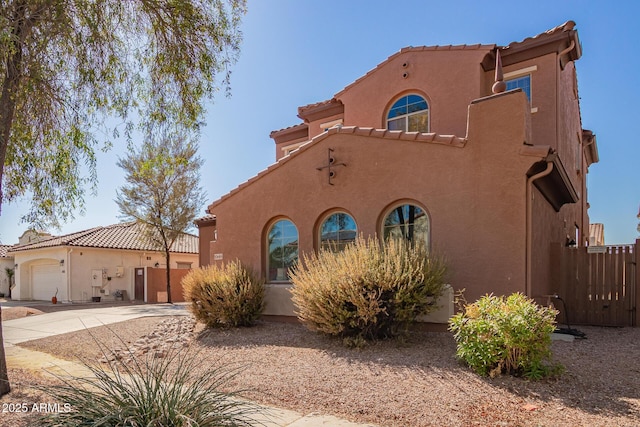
(563, 38)
(556, 187)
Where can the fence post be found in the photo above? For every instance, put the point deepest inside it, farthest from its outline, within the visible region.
(636, 251)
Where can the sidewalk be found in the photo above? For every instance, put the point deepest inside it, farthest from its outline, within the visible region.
(60, 322)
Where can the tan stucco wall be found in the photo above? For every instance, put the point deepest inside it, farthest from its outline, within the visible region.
(75, 280)
(474, 196)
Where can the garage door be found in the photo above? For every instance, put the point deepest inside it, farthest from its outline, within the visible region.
(45, 280)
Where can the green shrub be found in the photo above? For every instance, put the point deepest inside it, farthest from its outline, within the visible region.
(509, 335)
(230, 295)
(154, 392)
(367, 291)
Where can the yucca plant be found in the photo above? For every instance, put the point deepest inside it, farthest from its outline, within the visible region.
(154, 392)
(227, 295)
(368, 290)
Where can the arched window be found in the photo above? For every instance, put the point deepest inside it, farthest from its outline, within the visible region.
(407, 222)
(410, 114)
(282, 249)
(337, 231)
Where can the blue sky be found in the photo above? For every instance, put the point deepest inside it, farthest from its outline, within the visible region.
(298, 52)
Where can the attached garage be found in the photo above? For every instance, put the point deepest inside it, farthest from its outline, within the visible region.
(45, 278)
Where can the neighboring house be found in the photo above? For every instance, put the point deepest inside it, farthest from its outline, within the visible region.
(6, 262)
(596, 234)
(420, 148)
(94, 263)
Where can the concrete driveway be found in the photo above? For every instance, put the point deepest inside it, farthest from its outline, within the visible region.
(62, 321)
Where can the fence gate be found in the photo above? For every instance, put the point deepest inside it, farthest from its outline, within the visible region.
(598, 284)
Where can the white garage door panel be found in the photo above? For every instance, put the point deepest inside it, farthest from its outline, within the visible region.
(45, 280)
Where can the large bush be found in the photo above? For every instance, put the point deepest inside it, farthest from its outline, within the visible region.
(367, 291)
(510, 335)
(229, 295)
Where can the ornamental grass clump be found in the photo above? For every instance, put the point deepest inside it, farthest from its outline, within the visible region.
(367, 291)
(227, 295)
(510, 335)
(154, 392)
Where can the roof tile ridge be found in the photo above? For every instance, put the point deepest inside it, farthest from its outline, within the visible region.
(567, 26)
(68, 238)
(452, 140)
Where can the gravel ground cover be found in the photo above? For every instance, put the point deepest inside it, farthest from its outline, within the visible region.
(416, 382)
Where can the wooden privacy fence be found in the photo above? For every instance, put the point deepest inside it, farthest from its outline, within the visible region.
(599, 285)
(157, 284)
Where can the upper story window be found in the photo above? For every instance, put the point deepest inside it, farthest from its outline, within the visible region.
(521, 79)
(282, 250)
(337, 231)
(523, 82)
(410, 114)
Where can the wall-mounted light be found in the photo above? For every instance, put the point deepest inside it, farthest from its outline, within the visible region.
(61, 263)
(156, 265)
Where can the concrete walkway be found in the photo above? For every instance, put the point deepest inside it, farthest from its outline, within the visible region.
(61, 322)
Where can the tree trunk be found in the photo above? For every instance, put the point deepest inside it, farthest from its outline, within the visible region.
(5, 387)
(168, 256)
(10, 86)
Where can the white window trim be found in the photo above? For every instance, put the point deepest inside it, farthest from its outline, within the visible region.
(328, 125)
(519, 73)
(289, 148)
(405, 116)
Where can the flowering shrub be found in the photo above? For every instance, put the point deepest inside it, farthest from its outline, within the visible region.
(367, 291)
(509, 335)
(230, 295)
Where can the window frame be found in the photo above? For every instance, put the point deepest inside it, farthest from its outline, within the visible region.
(519, 74)
(320, 244)
(267, 249)
(401, 203)
(406, 116)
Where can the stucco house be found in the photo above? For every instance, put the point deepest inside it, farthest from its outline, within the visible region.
(93, 263)
(427, 146)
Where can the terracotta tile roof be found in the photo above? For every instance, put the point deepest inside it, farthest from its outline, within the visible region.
(128, 236)
(3, 250)
(303, 108)
(205, 219)
(417, 137)
(567, 26)
(289, 128)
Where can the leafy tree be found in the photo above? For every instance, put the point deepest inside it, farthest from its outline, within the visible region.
(163, 189)
(73, 73)
(68, 68)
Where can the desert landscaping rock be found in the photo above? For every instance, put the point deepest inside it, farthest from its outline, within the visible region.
(170, 334)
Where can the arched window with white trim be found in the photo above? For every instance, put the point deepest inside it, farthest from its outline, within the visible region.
(282, 250)
(410, 114)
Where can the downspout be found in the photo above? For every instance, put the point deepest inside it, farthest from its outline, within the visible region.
(529, 243)
(565, 51)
